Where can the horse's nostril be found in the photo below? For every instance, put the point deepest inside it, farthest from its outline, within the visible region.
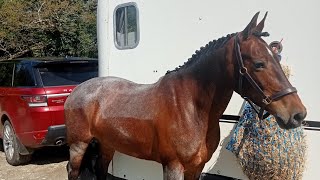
(299, 116)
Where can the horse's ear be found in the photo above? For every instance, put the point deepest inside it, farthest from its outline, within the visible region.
(260, 26)
(251, 26)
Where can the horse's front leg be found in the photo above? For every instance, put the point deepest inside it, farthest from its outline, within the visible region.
(194, 173)
(173, 171)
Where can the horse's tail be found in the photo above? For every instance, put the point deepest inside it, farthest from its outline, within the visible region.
(89, 165)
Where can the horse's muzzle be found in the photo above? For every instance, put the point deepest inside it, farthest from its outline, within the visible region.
(294, 121)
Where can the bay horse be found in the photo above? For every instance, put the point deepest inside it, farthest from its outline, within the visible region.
(175, 121)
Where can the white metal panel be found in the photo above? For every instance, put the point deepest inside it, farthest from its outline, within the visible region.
(223, 162)
(104, 41)
(170, 31)
(313, 155)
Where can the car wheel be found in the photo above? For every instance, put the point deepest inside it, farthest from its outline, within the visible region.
(11, 146)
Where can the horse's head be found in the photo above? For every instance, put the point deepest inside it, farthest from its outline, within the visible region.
(261, 78)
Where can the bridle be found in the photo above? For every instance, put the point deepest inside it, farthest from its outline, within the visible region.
(266, 100)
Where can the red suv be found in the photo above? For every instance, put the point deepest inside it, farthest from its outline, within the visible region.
(32, 95)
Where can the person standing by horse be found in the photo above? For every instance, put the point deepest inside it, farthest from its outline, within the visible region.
(276, 47)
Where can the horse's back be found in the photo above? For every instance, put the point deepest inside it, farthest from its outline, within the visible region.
(106, 98)
(95, 89)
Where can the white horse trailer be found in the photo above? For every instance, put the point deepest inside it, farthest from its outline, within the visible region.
(140, 40)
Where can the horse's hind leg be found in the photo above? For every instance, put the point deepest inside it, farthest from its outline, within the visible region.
(173, 171)
(77, 151)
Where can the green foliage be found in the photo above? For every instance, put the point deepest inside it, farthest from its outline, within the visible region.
(47, 28)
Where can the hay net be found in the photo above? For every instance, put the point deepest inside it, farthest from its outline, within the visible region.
(264, 150)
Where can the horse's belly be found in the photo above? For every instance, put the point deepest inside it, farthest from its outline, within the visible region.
(129, 136)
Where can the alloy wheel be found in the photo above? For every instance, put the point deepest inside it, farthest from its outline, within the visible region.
(8, 140)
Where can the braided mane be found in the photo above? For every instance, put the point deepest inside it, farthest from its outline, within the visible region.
(208, 49)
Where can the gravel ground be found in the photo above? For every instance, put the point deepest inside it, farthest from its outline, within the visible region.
(48, 163)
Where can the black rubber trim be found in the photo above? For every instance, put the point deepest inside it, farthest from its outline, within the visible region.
(208, 176)
(312, 125)
(308, 124)
(230, 117)
(111, 177)
(204, 176)
(55, 133)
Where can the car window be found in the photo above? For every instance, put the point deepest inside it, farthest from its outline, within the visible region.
(67, 74)
(23, 76)
(6, 70)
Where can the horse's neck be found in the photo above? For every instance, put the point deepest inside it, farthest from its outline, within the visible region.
(211, 71)
(214, 84)
(215, 92)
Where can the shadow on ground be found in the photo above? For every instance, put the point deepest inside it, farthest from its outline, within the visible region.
(49, 155)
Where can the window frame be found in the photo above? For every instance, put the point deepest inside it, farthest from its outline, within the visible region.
(115, 25)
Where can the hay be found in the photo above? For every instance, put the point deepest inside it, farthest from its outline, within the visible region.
(265, 151)
(287, 71)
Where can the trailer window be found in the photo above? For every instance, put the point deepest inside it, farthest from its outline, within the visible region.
(126, 31)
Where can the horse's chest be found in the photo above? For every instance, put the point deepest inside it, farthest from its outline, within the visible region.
(188, 143)
(194, 152)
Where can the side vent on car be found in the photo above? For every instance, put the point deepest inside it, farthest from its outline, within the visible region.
(36, 100)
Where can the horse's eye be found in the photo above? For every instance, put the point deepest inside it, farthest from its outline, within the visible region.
(259, 65)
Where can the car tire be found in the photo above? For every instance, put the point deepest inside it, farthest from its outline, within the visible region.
(11, 146)
(1, 146)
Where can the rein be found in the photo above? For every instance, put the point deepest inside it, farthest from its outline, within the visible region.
(266, 100)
